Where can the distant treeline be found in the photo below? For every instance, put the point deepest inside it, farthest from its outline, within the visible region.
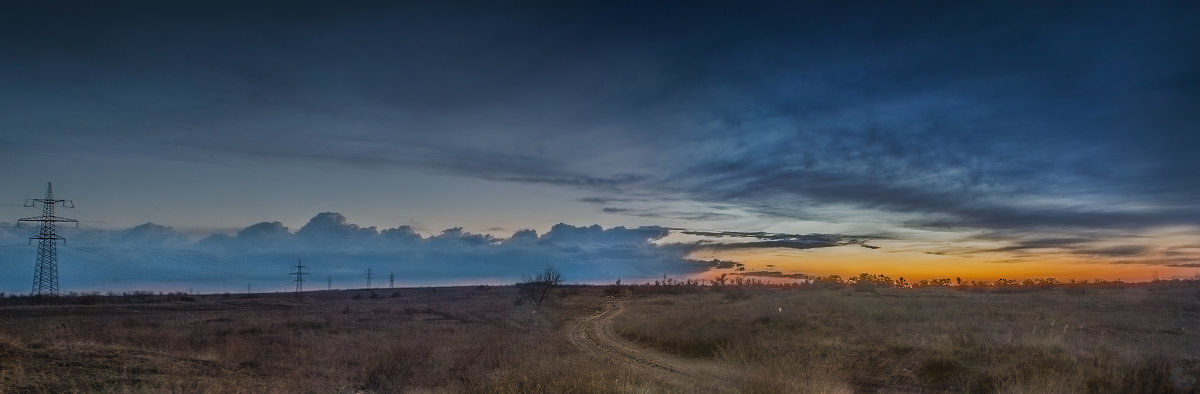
(93, 298)
(870, 282)
(880, 280)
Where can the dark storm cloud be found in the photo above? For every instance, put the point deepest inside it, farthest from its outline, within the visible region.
(1086, 245)
(1147, 260)
(997, 116)
(820, 238)
(605, 200)
(787, 244)
(729, 240)
(1116, 251)
(660, 214)
(1046, 243)
(772, 274)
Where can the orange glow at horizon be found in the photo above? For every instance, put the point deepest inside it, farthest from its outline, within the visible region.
(848, 261)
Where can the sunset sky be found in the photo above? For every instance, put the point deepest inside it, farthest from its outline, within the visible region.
(931, 139)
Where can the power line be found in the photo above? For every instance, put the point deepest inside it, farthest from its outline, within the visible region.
(118, 262)
(45, 273)
(133, 267)
(196, 261)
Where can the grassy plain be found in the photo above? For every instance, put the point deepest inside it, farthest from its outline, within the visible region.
(468, 339)
(1134, 339)
(463, 339)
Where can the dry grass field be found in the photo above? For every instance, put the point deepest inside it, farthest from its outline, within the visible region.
(463, 339)
(482, 339)
(1079, 340)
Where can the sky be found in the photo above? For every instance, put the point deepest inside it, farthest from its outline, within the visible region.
(208, 145)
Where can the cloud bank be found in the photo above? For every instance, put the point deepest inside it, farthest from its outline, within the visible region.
(337, 251)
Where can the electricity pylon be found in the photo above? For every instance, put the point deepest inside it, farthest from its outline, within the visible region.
(369, 277)
(45, 273)
(299, 273)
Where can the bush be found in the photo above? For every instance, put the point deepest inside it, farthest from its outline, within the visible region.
(537, 288)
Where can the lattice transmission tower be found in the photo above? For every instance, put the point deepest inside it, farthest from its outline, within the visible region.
(299, 273)
(45, 273)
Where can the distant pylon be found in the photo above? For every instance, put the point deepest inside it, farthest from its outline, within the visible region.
(368, 277)
(299, 273)
(329, 282)
(391, 280)
(45, 273)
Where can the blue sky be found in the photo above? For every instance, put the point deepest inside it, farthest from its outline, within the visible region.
(983, 133)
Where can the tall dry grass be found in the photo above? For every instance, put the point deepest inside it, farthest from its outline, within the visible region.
(458, 340)
(465, 340)
(1129, 340)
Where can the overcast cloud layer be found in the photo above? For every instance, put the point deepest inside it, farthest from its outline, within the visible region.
(1022, 121)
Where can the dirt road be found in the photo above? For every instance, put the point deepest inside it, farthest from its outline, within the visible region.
(596, 336)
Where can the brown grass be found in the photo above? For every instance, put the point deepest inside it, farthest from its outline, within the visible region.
(1129, 340)
(448, 340)
(796, 340)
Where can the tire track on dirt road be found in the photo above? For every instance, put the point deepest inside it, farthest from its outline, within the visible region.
(596, 336)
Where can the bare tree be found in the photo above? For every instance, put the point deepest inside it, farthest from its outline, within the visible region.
(538, 287)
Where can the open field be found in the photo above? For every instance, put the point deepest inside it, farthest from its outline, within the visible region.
(1103, 340)
(421, 340)
(730, 339)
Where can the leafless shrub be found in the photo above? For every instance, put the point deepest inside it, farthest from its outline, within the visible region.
(615, 289)
(537, 287)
